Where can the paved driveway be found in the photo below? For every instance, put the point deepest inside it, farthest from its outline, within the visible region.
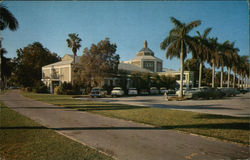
(233, 106)
(123, 139)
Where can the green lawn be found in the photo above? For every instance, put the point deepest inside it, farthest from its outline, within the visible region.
(23, 139)
(228, 128)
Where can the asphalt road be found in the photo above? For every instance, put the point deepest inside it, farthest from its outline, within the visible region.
(124, 140)
(232, 106)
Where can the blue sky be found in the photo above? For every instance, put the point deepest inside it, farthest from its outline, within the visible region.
(126, 23)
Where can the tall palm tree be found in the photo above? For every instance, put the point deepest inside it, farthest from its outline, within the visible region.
(74, 43)
(179, 42)
(223, 48)
(231, 55)
(202, 50)
(235, 66)
(7, 20)
(243, 68)
(213, 56)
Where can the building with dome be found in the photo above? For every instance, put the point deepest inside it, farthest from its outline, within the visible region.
(146, 59)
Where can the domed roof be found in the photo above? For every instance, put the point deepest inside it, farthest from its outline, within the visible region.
(145, 51)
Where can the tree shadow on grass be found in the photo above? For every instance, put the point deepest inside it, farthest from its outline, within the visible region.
(226, 126)
(79, 107)
(213, 116)
(237, 126)
(104, 107)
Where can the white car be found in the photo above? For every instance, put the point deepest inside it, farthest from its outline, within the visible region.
(117, 91)
(132, 91)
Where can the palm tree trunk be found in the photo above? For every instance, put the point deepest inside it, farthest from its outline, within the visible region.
(213, 74)
(234, 79)
(200, 73)
(242, 80)
(238, 80)
(221, 77)
(181, 69)
(228, 76)
(0, 65)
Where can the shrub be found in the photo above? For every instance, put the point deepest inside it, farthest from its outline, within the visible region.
(28, 89)
(67, 89)
(211, 93)
(40, 88)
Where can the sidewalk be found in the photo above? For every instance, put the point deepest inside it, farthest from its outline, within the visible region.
(123, 139)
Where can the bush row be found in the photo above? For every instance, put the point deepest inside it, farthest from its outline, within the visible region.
(38, 88)
(67, 89)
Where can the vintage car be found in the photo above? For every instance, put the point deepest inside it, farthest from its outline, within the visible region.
(117, 91)
(98, 92)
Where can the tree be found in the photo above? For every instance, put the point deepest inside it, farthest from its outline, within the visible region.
(235, 68)
(74, 43)
(98, 62)
(29, 63)
(7, 20)
(179, 42)
(7, 67)
(213, 56)
(202, 50)
(243, 68)
(193, 65)
(222, 59)
(231, 55)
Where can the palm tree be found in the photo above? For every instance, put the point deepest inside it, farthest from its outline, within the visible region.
(7, 20)
(179, 42)
(243, 68)
(74, 43)
(213, 56)
(223, 48)
(202, 50)
(231, 55)
(235, 66)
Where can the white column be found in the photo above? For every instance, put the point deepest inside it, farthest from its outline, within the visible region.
(155, 66)
(70, 73)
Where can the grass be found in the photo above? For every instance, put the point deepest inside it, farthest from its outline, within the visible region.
(234, 129)
(23, 139)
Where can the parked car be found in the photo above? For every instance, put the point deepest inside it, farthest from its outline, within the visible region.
(132, 91)
(170, 92)
(154, 90)
(243, 90)
(189, 93)
(98, 92)
(163, 90)
(228, 91)
(144, 92)
(117, 91)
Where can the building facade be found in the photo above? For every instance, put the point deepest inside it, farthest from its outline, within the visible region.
(145, 61)
(59, 72)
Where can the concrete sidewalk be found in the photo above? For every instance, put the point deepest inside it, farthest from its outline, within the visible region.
(123, 139)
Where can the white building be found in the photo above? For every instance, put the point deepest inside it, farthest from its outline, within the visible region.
(145, 61)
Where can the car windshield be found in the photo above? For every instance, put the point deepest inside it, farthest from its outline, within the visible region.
(95, 90)
(117, 89)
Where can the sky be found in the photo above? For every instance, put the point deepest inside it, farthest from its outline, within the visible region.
(126, 23)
